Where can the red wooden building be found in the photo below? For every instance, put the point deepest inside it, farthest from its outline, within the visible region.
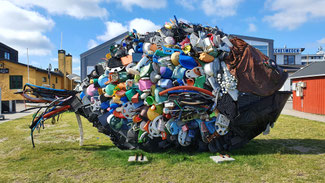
(308, 86)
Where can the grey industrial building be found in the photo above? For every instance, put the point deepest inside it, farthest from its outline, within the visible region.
(93, 56)
(262, 44)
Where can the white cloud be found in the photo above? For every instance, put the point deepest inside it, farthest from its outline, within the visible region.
(252, 27)
(290, 14)
(183, 20)
(36, 64)
(114, 28)
(91, 44)
(147, 4)
(22, 29)
(54, 59)
(75, 60)
(76, 70)
(143, 25)
(189, 4)
(321, 41)
(76, 8)
(221, 8)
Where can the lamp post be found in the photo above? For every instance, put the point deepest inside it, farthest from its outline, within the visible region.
(49, 74)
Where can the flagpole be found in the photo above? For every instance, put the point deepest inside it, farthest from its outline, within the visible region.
(61, 40)
(27, 67)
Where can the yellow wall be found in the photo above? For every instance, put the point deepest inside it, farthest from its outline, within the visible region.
(14, 69)
(61, 59)
(40, 82)
(68, 62)
(35, 77)
(62, 66)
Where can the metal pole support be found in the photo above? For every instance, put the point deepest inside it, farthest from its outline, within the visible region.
(1, 115)
(81, 142)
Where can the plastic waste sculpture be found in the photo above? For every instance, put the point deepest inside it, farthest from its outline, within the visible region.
(184, 86)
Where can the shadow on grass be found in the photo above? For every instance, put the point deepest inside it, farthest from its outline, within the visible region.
(266, 146)
(96, 147)
(110, 155)
(282, 146)
(254, 147)
(87, 147)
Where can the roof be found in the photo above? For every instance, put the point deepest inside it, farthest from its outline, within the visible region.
(73, 77)
(6, 46)
(291, 68)
(251, 38)
(104, 45)
(36, 68)
(312, 70)
(314, 54)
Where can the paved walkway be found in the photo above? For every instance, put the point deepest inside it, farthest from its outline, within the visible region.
(12, 116)
(287, 110)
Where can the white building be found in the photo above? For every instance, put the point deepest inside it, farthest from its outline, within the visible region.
(289, 59)
(309, 58)
(288, 56)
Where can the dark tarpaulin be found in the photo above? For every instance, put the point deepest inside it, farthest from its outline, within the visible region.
(253, 70)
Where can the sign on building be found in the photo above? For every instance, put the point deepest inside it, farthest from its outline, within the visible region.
(287, 50)
(4, 71)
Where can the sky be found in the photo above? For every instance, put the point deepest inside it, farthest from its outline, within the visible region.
(38, 24)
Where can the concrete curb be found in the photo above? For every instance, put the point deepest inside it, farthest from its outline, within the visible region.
(289, 111)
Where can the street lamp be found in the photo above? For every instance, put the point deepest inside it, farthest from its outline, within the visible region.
(49, 74)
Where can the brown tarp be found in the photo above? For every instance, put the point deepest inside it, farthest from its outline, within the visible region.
(253, 70)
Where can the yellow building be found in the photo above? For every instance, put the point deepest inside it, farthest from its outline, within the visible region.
(14, 75)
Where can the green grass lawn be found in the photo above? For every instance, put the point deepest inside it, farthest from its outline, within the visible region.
(294, 151)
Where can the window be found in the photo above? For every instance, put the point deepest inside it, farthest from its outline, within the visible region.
(289, 60)
(7, 55)
(263, 49)
(16, 82)
(44, 79)
(56, 79)
(53, 85)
